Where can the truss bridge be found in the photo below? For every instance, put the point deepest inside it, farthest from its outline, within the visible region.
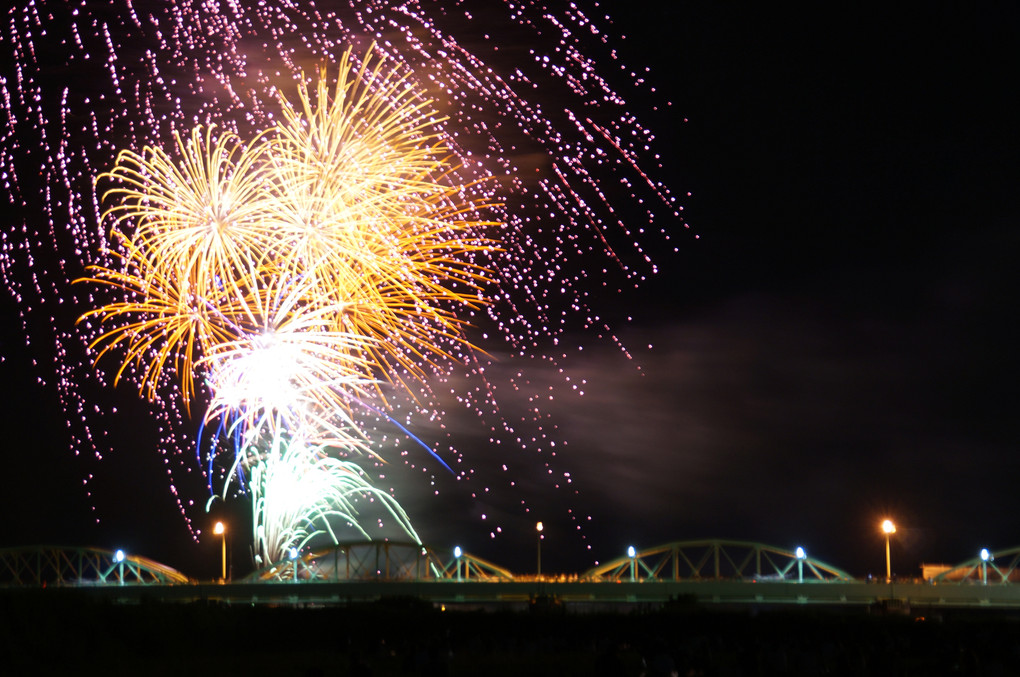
(704, 572)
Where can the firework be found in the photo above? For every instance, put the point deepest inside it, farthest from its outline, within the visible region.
(200, 218)
(347, 195)
(287, 370)
(366, 207)
(295, 267)
(544, 126)
(161, 323)
(301, 493)
(186, 235)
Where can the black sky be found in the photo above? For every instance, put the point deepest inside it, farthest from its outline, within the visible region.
(837, 346)
(845, 319)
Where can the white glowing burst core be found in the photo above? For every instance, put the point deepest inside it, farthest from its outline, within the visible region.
(263, 377)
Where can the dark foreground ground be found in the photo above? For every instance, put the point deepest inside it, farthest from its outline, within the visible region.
(66, 634)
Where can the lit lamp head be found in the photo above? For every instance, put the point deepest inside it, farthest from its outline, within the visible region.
(985, 555)
(219, 529)
(888, 527)
(457, 552)
(539, 527)
(119, 556)
(631, 552)
(800, 553)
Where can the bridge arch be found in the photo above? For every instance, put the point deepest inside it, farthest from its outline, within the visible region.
(39, 566)
(381, 560)
(715, 559)
(469, 567)
(355, 561)
(1001, 567)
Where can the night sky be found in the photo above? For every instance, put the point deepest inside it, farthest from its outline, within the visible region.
(838, 345)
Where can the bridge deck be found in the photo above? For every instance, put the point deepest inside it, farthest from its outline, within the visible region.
(575, 593)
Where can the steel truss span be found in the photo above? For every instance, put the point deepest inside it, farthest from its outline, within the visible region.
(716, 560)
(42, 566)
(688, 562)
(990, 568)
(381, 560)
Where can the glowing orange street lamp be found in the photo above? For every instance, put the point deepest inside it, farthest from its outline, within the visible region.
(538, 530)
(220, 530)
(889, 528)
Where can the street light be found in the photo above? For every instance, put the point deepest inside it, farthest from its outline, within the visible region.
(220, 530)
(801, 555)
(889, 528)
(118, 557)
(538, 530)
(985, 556)
(632, 553)
(457, 552)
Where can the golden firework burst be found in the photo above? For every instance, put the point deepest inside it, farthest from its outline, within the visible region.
(341, 233)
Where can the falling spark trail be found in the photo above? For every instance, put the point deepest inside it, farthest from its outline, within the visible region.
(532, 103)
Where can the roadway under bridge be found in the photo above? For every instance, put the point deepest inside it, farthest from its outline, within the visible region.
(706, 572)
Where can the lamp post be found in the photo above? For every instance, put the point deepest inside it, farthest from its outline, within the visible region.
(118, 557)
(538, 530)
(632, 553)
(985, 556)
(801, 555)
(220, 530)
(889, 528)
(457, 552)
